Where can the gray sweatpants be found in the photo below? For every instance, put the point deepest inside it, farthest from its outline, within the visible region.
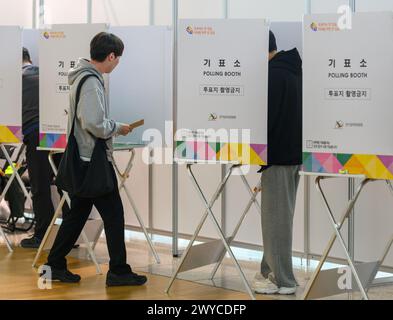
(279, 187)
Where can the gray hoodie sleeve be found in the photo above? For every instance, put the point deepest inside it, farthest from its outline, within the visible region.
(91, 114)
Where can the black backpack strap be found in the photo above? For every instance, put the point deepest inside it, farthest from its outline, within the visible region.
(77, 97)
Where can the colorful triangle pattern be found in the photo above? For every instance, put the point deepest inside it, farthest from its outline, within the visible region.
(53, 140)
(11, 134)
(373, 166)
(253, 154)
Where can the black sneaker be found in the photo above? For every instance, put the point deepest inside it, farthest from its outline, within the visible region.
(62, 275)
(129, 279)
(32, 242)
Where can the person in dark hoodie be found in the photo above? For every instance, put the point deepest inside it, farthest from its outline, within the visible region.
(91, 122)
(40, 173)
(280, 178)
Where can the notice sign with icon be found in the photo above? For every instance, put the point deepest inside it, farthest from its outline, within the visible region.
(348, 96)
(10, 84)
(60, 47)
(222, 90)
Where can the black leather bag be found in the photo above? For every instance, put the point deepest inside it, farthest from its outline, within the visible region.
(81, 178)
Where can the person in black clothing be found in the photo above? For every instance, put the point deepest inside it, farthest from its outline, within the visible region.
(280, 178)
(40, 172)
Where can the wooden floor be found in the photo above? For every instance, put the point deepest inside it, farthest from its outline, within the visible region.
(18, 280)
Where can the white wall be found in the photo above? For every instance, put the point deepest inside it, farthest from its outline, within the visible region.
(121, 12)
(374, 5)
(330, 6)
(21, 14)
(63, 12)
(277, 10)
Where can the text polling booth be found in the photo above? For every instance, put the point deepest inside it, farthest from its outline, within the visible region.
(60, 46)
(346, 119)
(10, 104)
(221, 114)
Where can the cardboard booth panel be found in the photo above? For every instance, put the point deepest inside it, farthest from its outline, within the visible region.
(11, 85)
(60, 47)
(348, 95)
(222, 90)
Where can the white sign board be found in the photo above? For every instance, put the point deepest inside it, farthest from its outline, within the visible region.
(222, 85)
(60, 47)
(348, 96)
(140, 86)
(10, 84)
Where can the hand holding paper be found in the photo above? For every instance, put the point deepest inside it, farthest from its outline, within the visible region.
(137, 124)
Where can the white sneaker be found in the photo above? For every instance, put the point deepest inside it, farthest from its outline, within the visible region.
(285, 290)
(257, 278)
(265, 286)
(282, 290)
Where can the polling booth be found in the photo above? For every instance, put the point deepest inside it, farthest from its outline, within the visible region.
(146, 64)
(288, 35)
(346, 128)
(10, 109)
(221, 117)
(147, 94)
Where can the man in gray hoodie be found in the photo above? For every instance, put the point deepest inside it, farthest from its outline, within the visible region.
(92, 121)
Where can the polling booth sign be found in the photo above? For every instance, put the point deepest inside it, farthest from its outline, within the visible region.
(348, 96)
(59, 49)
(10, 84)
(222, 90)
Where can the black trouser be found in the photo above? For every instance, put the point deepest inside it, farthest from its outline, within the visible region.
(41, 177)
(111, 210)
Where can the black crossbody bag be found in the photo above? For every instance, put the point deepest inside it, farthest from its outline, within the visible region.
(81, 178)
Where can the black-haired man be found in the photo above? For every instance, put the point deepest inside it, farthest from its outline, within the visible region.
(92, 121)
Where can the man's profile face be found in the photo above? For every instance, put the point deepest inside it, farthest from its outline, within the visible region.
(112, 62)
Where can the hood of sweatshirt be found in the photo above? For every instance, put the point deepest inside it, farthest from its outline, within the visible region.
(289, 60)
(30, 70)
(83, 67)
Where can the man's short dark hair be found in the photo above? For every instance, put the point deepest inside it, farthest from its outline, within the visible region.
(103, 44)
(26, 55)
(272, 42)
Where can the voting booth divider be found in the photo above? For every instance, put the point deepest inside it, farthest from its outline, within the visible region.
(221, 84)
(347, 126)
(11, 100)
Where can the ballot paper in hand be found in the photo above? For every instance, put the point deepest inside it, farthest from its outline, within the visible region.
(137, 124)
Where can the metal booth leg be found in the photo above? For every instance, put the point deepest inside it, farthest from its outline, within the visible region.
(252, 201)
(337, 227)
(123, 177)
(209, 213)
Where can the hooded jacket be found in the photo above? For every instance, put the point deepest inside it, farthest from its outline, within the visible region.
(285, 109)
(92, 119)
(30, 99)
